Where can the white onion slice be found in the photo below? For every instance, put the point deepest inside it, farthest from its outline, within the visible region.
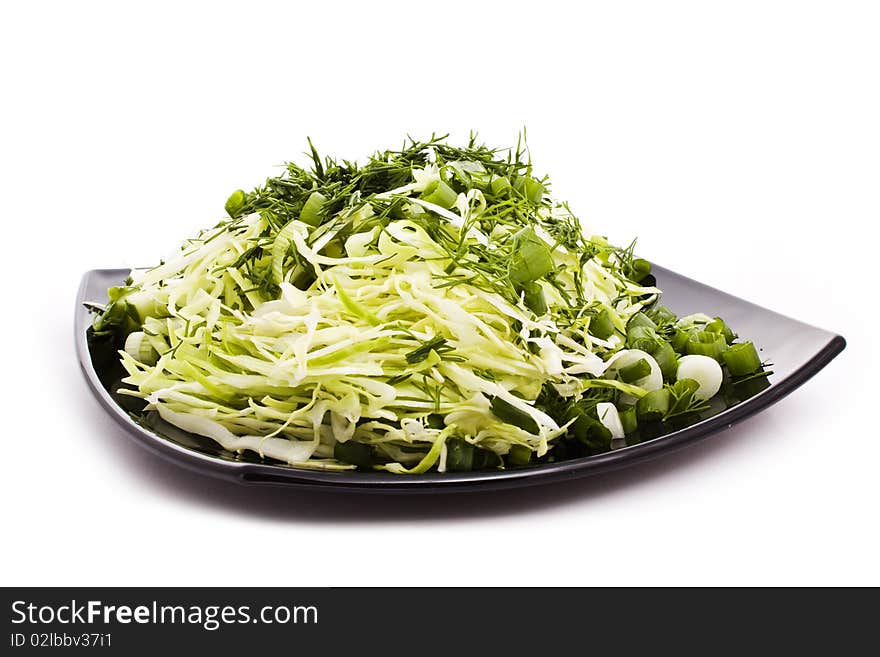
(609, 416)
(702, 369)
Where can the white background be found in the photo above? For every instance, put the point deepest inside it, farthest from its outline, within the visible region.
(738, 141)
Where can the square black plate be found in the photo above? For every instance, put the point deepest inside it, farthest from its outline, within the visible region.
(797, 351)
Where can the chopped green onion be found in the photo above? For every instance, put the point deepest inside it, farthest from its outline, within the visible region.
(459, 455)
(358, 454)
(718, 326)
(628, 419)
(235, 203)
(519, 455)
(499, 185)
(666, 358)
(534, 191)
(642, 337)
(632, 373)
(706, 343)
(654, 405)
(640, 319)
(741, 359)
(507, 412)
(312, 212)
(439, 193)
(679, 340)
(641, 268)
(591, 432)
(602, 326)
(661, 314)
(531, 260)
(533, 298)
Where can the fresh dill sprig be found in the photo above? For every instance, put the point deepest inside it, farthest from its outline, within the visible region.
(437, 345)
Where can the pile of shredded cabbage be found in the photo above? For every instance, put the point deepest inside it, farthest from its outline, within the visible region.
(390, 325)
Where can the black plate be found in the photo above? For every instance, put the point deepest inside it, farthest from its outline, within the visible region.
(796, 350)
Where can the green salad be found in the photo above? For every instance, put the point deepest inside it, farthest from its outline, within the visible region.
(432, 309)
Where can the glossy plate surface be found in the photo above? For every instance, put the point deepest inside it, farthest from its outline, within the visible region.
(797, 351)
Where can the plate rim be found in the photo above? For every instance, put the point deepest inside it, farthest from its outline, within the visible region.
(265, 474)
